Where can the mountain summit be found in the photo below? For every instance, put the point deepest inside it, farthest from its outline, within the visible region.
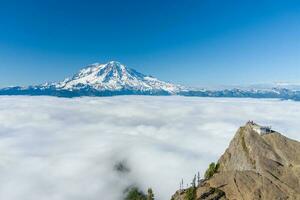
(259, 163)
(112, 78)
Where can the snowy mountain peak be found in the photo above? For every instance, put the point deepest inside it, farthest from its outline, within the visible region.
(114, 76)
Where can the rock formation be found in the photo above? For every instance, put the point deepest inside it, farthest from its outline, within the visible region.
(258, 164)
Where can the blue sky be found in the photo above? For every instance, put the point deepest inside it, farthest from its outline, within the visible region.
(197, 43)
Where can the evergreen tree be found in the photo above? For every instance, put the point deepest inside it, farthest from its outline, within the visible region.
(190, 194)
(135, 194)
(180, 187)
(194, 181)
(150, 195)
(212, 169)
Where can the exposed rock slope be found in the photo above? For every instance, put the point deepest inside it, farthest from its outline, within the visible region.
(255, 166)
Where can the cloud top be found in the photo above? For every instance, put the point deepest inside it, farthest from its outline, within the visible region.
(58, 149)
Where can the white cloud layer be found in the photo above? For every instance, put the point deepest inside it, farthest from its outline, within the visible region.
(60, 149)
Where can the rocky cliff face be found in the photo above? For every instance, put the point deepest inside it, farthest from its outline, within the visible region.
(259, 164)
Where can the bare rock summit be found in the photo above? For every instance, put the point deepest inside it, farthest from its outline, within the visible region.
(259, 163)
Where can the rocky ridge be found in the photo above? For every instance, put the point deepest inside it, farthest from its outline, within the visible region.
(259, 163)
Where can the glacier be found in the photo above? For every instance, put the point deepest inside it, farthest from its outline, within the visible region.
(114, 78)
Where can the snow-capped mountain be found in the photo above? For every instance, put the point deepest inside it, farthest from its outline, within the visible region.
(112, 78)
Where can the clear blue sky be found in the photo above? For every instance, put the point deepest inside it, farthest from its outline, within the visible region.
(200, 42)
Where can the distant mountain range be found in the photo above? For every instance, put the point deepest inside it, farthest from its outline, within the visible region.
(113, 78)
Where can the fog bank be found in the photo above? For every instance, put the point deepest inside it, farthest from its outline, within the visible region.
(58, 149)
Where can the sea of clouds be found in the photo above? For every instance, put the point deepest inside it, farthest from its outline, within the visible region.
(59, 149)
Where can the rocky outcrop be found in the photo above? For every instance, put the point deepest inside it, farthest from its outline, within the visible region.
(256, 165)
